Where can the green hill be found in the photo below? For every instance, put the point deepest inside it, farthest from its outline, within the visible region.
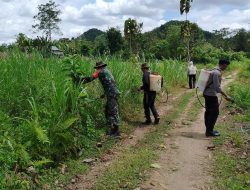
(91, 34)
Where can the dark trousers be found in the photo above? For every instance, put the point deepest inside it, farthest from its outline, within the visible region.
(211, 113)
(192, 80)
(149, 104)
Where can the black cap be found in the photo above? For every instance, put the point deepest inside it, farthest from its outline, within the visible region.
(100, 64)
(224, 62)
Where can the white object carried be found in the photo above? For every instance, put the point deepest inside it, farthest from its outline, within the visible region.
(203, 79)
(155, 82)
(192, 70)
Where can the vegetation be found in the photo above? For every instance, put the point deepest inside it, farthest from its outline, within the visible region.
(91, 34)
(48, 18)
(164, 42)
(232, 155)
(45, 119)
(186, 27)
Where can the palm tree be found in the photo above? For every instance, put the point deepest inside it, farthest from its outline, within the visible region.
(185, 7)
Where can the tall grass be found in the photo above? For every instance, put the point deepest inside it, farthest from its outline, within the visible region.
(45, 118)
(240, 90)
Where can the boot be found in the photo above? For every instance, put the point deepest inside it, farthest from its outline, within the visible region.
(157, 120)
(114, 131)
(147, 122)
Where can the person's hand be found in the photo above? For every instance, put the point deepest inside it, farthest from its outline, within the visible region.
(85, 80)
(228, 98)
(140, 89)
(75, 78)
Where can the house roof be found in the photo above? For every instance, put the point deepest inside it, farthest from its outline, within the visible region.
(54, 48)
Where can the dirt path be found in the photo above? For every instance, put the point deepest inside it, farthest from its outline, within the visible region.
(185, 163)
(86, 181)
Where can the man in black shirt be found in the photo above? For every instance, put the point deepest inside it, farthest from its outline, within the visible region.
(149, 97)
(211, 99)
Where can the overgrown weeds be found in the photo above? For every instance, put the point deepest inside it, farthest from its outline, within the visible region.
(46, 119)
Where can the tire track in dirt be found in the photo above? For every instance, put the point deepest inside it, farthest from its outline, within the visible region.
(86, 181)
(185, 163)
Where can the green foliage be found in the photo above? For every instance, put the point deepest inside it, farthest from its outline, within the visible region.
(48, 18)
(45, 118)
(241, 41)
(91, 34)
(174, 39)
(40, 117)
(240, 90)
(206, 53)
(231, 155)
(185, 6)
(114, 40)
(230, 172)
(241, 95)
(101, 46)
(24, 43)
(132, 31)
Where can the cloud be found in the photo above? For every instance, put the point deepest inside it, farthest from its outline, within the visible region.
(204, 4)
(216, 18)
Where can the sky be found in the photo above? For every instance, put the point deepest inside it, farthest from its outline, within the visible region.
(16, 16)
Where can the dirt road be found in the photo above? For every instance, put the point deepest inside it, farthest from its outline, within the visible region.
(186, 163)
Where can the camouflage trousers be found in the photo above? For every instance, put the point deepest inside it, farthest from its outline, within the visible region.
(112, 111)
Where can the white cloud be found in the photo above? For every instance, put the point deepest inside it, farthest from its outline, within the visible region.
(79, 15)
(216, 18)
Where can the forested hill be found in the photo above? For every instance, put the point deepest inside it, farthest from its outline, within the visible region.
(162, 31)
(91, 34)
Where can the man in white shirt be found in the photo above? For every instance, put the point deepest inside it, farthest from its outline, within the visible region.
(192, 74)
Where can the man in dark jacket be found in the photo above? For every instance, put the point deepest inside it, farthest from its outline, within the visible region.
(112, 94)
(211, 99)
(149, 97)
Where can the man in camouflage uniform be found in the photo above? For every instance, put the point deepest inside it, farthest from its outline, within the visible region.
(112, 93)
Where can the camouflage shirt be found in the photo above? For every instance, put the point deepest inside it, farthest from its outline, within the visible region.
(107, 80)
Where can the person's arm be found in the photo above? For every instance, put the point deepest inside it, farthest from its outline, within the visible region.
(228, 98)
(145, 81)
(217, 86)
(94, 76)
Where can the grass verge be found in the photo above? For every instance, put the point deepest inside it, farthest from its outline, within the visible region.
(232, 155)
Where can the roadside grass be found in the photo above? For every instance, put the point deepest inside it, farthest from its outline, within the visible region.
(129, 169)
(231, 172)
(232, 155)
(232, 161)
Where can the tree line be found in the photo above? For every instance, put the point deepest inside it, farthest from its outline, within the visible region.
(173, 40)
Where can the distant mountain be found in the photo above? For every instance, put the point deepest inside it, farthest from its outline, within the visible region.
(91, 34)
(161, 32)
